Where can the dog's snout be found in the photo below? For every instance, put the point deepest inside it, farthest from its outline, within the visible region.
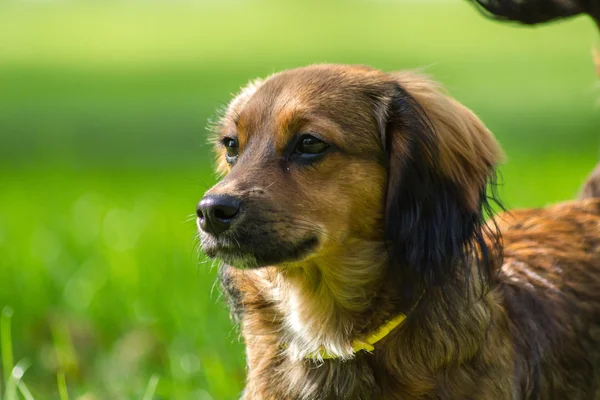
(217, 212)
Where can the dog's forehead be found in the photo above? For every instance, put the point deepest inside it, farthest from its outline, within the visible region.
(341, 94)
(299, 90)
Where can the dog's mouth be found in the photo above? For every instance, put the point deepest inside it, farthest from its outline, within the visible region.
(260, 253)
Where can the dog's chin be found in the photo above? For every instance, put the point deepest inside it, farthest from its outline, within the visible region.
(248, 257)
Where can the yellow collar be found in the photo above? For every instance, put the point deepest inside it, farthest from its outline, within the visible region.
(366, 344)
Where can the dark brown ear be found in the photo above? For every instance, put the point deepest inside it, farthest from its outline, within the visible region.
(537, 11)
(441, 159)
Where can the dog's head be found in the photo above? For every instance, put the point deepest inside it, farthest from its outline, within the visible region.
(319, 159)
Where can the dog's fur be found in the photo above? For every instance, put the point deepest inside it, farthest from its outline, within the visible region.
(391, 220)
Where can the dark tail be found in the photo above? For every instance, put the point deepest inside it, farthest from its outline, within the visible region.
(591, 187)
(538, 11)
(533, 12)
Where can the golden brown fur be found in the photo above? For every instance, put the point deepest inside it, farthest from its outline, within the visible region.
(389, 219)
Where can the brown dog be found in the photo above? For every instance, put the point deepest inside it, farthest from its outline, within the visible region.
(357, 260)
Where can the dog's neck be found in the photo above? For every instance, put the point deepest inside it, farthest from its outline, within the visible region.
(293, 312)
(326, 303)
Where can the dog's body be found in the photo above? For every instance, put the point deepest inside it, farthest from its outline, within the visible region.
(535, 335)
(352, 196)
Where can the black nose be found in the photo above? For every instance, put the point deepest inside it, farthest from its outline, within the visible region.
(216, 213)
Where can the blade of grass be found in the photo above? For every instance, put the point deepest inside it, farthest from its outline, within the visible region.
(62, 386)
(25, 391)
(15, 378)
(63, 346)
(151, 388)
(6, 343)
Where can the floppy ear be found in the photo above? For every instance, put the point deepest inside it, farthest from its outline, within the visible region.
(441, 158)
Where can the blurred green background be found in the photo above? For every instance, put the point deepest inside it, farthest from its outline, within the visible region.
(103, 157)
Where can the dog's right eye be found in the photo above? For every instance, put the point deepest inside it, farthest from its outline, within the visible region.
(231, 148)
(310, 145)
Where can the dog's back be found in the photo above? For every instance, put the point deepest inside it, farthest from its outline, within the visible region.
(550, 289)
(591, 188)
(549, 283)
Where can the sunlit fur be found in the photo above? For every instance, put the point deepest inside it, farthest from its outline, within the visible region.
(396, 216)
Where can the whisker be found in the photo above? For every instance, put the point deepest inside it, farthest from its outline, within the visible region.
(190, 218)
(200, 182)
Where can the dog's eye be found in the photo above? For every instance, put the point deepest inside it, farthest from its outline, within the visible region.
(311, 145)
(231, 148)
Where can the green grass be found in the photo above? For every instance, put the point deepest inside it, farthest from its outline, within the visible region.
(103, 157)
